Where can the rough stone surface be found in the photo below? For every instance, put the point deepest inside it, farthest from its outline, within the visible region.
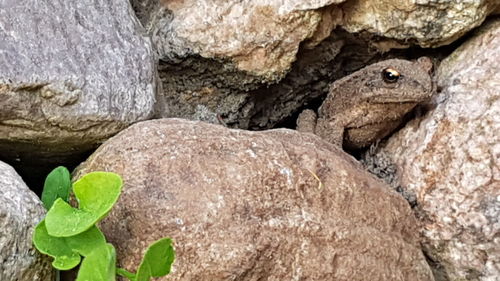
(449, 161)
(72, 73)
(240, 205)
(20, 211)
(260, 37)
(428, 23)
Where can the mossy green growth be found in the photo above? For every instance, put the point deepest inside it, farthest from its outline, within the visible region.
(70, 235)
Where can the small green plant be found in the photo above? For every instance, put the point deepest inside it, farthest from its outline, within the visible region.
(71, 236)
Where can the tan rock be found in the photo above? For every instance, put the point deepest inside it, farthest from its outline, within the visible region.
(427, 23)
(450, 161)
(259, 37)
(240, 205)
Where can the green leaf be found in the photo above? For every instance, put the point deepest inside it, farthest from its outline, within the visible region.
(157, 261)
(66, 251)
(64, 257)
(96, 192)
(86, 242)
(99, 265)
(62, 220)
(57, 185)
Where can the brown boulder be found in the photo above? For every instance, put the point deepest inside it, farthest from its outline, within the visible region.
(240, 205)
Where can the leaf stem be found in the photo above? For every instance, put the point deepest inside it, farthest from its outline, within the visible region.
(125, 273)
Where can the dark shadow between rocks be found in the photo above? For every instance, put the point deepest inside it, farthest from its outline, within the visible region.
(34, 168)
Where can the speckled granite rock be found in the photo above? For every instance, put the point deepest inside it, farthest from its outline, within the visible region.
(240, 205)
(20, 211)
(72, 73)
(450, 161)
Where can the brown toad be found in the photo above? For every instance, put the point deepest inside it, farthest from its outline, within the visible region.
(370, 103)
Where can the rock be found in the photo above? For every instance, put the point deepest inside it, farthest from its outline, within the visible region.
(259, 37)
(214, 55)
(427, 23)
(241, 205)
(308, 79)
(20, 211)
(72, 74)
(449, 161)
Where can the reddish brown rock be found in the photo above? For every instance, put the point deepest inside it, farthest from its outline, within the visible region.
(450, 163)
(240, 205)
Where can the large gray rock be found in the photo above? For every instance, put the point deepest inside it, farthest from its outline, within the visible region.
(20, 211)
(449, 162)
(240, 205)
(72, 73)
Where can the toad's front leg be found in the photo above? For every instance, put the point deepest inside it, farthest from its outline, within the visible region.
(306, 122)
(331, 131)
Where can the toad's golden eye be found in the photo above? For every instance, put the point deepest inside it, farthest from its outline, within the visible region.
(390, 75)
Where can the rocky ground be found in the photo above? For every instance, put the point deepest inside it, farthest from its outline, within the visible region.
(194, 104)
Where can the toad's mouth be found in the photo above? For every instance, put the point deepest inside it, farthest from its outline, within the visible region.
(370, 125)
(395, 100)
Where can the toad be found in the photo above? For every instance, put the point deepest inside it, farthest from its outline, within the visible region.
(370, 103)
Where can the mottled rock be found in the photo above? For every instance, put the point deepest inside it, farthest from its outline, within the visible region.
(240, 205)
(72, 73)
(20, 211)
(428, 23)
(449, 161)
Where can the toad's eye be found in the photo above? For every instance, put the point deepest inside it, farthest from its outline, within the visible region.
(390, 75)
